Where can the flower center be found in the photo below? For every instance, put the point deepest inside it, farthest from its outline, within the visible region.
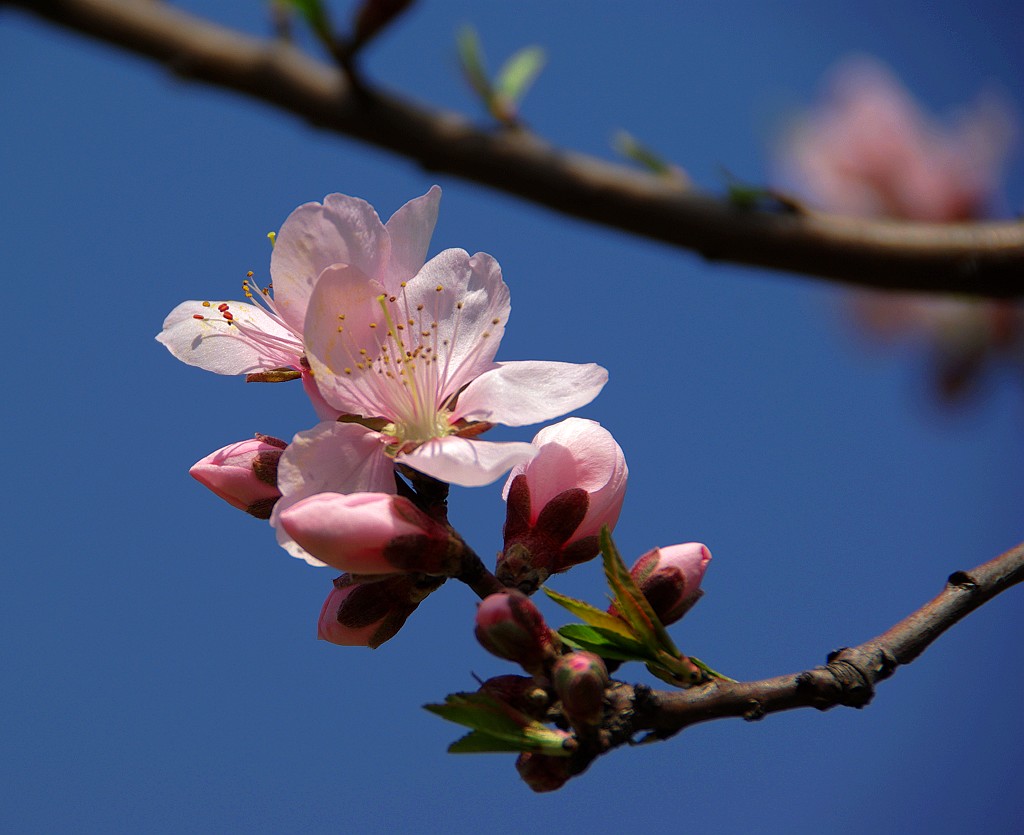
(405, 359)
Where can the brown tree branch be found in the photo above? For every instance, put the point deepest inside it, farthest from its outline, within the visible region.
(975, 259)
(848, 678)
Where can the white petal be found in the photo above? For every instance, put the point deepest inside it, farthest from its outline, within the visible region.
(465, 462)
(211, 343)
(520, 393)
(329, 458)
(344, 230)
(410, 229)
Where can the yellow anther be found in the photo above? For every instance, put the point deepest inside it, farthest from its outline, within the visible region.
(206, 304)
(272, 237)
(439, 288)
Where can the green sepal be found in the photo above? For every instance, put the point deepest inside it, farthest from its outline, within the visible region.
(704, 668)
(518, 73)
(678, 671)
(590, 614)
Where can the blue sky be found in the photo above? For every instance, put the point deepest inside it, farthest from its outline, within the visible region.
(160, 667)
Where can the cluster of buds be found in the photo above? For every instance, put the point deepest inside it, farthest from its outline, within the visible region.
(571, 687)
(559, 501)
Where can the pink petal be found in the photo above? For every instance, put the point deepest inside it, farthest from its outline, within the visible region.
(521, 393)
(410, 230)
(349, 532)
(210, 343)
(329, 458)
(343, 230)
(345, 317)
(465, 462)
(577, 453)
(470, 311)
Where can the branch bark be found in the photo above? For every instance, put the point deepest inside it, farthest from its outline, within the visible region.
(984, 259)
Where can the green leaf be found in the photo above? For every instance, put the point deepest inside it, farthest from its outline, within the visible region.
(606, 644)
(499, 724)
(630, 601)
(590, 614)
(482, 713)
(471, 57)
(519, 72)
(478, 742)
(315, 15)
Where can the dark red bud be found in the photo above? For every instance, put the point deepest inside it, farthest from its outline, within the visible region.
(510, 626)
(580, 679)
(542, 773)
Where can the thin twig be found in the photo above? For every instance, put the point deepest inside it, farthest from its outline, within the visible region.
(974, 259)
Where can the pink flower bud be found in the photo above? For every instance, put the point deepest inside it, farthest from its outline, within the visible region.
(580, 679)
(510, 626)
(244, 474)
(368, 614)
(559, 501)
(670, 578)
(542, 773)
(368, 533)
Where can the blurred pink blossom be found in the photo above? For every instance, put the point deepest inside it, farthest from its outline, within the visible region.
(869, 150)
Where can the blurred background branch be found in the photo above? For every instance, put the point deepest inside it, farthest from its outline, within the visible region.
(966, 258)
